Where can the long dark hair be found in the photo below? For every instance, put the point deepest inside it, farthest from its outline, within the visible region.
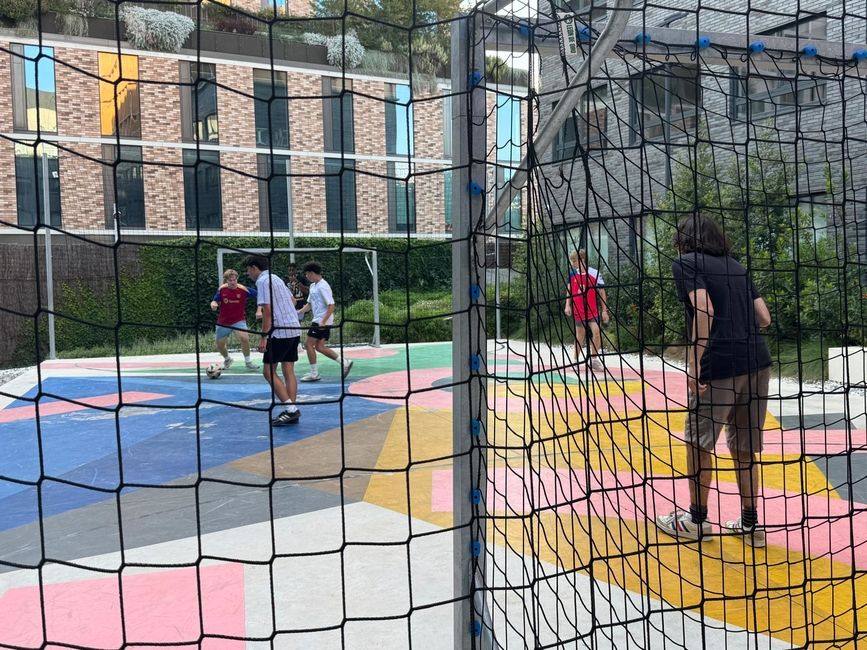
(696, 233)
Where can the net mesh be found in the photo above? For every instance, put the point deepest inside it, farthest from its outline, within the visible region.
(143, 504)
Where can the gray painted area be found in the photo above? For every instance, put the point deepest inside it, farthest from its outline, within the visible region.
(837, 471)
(154, 515)
(811, 421)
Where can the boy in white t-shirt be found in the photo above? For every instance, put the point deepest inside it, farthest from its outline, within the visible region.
(320, 300)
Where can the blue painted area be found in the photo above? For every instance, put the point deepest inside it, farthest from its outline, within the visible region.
(157, 445)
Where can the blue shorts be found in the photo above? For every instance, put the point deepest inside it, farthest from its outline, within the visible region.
(223, 331)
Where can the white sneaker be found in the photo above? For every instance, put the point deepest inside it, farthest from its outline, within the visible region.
(311, 377)
(596, 364)
(755, 537)
(346, 368)
(227, 363)
(250, 365)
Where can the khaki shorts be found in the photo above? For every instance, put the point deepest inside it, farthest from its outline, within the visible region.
(738, 403)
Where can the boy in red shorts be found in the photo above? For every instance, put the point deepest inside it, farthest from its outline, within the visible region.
(586, 303)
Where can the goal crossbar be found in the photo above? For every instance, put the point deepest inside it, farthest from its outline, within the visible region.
(372, 263)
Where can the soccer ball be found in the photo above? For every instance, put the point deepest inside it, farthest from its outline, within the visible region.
(214, 371)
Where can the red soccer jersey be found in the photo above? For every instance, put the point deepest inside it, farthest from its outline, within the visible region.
(582, 288)
(233, 305)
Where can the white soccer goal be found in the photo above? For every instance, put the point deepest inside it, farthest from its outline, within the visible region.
(371, 259)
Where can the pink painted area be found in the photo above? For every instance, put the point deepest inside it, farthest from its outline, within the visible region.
(813, 524)
(370, 353)
(392, 387)
(58, 407)
(158, 607)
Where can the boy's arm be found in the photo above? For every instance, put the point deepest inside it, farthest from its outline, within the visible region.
(266, 327)
(568, 308)
(702, 324)
(215, 301)
(604, 300)
(251, 291)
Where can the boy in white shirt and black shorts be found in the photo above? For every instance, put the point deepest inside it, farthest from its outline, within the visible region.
(320, 300)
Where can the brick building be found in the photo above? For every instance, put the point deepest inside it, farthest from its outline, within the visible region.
(224, 142)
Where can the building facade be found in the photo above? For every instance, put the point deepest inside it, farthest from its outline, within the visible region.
(215, 142)
(641, 122)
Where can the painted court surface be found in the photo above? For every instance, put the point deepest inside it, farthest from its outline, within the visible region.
(156, 506)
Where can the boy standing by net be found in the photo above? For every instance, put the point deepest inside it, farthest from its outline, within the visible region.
(586, 303)
(281, 333)
(320, 300)
(231, 301)
(728, 371)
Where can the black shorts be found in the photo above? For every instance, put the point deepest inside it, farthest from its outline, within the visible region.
(281, 350)
(320, 332)
(300, 302)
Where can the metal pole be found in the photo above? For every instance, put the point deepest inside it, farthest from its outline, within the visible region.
(375, 272)
(472, 625)
(289, 215)
(497, 290)
(49, 270)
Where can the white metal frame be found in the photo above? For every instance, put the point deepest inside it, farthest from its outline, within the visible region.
(372, 266)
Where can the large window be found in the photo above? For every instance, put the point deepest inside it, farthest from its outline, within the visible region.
(272, 109)
(508, 129)
(119, 109)
(586, 126)
(29, 188)
(338, 115)
(665, 98)
(769, 95)
(340, 200)
(399, 121)
(202, 197)
(123, 184)
(511, 220)
(401, 198)
(34, 104)
(199, 102)
(275, 202)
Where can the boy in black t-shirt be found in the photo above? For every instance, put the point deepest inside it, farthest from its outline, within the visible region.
(728, 371)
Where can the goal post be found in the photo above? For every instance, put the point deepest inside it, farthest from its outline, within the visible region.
(371, 259)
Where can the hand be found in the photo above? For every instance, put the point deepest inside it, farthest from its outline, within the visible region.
(263, 342)
(258, 314)
(214, 305)
(694, 386)
(605, 317)
(568, 310)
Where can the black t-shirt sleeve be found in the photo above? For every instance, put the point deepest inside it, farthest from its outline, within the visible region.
(687, 277)
(754, 292)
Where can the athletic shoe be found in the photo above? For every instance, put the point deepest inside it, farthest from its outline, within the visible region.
(286, 418)
(679, 524)
(346, 368)
(596, 364)
(756, 537)
(227, 363)
(250, 365)
(311, 377)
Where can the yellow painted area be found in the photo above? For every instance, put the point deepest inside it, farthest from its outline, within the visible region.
(776, 591)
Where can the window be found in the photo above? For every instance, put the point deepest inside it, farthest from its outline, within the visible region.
(29, 187)
(34, 101)
(770, 95)
(668, 98)
(199, 102)
(588, 126)
(399, 121)
(337, 115)
(202, 197)
(511, 220)
(819, 208)
(447, 205)
(275, 202)
(272, 127)
(119, 110)
(508, 129)
(401, 198)
(123, 185)
(340, 205)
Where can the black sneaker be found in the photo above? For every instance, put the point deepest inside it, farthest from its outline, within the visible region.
(286, 418)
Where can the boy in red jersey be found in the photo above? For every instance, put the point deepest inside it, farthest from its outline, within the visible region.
(231, 299)
(586, 303)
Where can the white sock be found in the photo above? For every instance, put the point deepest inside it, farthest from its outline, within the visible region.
(314, 369)
(290, 407)
(247, 358)
(339, 359)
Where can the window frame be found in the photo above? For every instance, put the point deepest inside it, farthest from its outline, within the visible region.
(190, 105)
(35, 180)
(402, 185)
(18, 72)
(130, 157)
(341, 215)
(113, 90)
(681, 122)
(332, 98)
(279, 78)
(192, 184)
(264, 164)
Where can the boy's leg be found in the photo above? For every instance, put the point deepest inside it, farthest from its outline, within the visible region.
(580, 340)
(269, 370)
(222, 335)
(290, 381)
(310, 346)
(595, 337)
(244, 337)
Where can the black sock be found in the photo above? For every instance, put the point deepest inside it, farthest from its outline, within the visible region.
(698, 514)
(749, 518)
